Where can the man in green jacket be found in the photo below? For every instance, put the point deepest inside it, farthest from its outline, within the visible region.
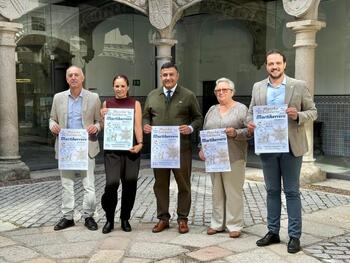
(173, 105)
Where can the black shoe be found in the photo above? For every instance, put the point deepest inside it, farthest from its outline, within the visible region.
(108, 227)
(268, 239)
(90, 223)
(63, 223)
(125, 225)
(293, 245)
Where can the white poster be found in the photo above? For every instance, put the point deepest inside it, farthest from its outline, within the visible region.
(215, 149)
(271, 132)
(119, 129)
(73, 145)
(165, 147)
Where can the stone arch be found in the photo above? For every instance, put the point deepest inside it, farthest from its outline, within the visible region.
(91, 17)
(185, 4)
(38, 43)
(253, 14)
(140, 5)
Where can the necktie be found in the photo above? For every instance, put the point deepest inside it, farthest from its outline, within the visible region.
(168, 96)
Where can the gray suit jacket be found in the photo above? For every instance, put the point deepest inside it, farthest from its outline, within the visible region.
(91, 115)
(298, 96)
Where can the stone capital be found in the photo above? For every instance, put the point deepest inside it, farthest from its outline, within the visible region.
(305, 31)
(308, 24)
(164, 42)
(10, 26)
(7, 33)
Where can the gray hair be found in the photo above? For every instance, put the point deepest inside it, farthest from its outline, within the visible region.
(79, 68)
(228, 81)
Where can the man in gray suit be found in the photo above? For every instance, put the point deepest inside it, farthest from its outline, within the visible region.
(280, 89)
(77, 108)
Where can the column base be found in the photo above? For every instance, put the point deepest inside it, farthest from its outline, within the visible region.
(310, 173)
(13, 170)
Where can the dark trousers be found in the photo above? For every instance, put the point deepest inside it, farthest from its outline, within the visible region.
(183, 180)
(283, 168)
(120, 166)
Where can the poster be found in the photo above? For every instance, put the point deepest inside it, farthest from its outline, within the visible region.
(73, 145)
(165, 147)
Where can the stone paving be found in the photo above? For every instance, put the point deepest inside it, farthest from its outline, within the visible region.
(35, 208)
(333, 250)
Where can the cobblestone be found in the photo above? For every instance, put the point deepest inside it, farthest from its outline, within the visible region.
(38, 205)
(336, 249)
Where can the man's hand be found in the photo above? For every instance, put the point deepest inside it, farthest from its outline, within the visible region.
(147, 129)
(55, 129)
(103, 112)
(185, 129)
(292, 113)
(92, 129)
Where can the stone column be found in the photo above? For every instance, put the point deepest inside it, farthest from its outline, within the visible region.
(305, 45)
(11, 167)
(163, 54)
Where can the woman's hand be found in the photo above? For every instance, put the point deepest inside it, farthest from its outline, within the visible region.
(201, 155)
(136, 148)
(231, 132)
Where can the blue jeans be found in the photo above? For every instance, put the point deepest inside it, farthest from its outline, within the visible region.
(278, 168)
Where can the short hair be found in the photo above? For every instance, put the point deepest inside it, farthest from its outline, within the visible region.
(275, 51)
(73, 66)
(169, 65)
(121, 76)
(229, 83)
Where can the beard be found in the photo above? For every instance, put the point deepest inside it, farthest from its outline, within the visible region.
(274, 76)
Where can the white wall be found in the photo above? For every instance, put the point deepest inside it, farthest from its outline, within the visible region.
(333, 51)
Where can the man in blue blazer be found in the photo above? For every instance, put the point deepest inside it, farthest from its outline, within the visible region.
(280, 89)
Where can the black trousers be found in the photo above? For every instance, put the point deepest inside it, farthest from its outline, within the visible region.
(120, 166)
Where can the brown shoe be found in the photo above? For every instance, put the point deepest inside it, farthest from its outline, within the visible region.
(211, 231)
(235, 234)
(160, 226)
(183, 227)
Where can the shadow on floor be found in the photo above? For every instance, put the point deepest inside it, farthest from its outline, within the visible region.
(42, 157)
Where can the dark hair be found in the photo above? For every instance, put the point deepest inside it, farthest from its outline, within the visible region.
(169, 65)
(275, 51)
(121, 77)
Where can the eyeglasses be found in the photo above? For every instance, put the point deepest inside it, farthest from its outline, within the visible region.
(222, 90)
